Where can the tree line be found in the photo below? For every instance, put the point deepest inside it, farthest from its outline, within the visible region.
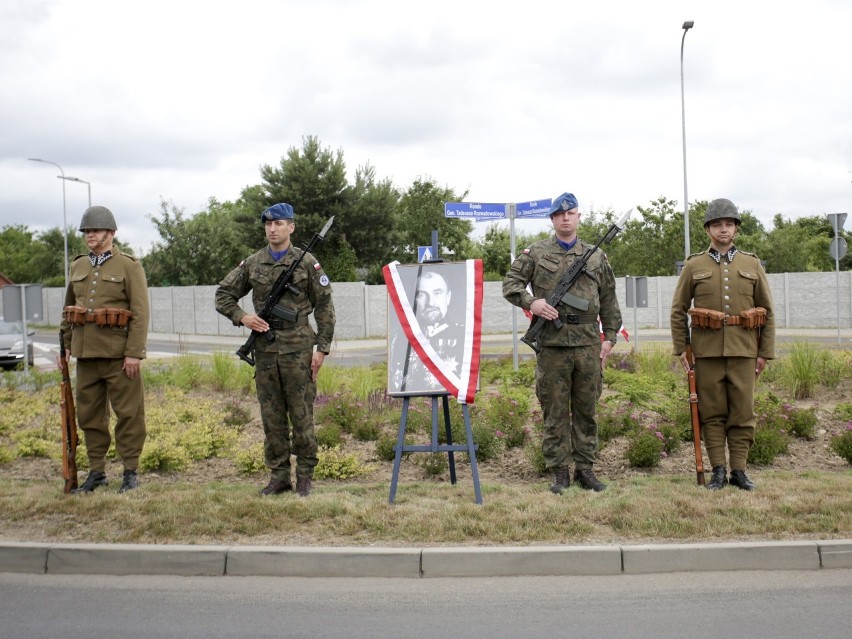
(376, 223)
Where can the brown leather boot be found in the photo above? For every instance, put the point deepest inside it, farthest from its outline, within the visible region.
(303, 486)
(560, 480)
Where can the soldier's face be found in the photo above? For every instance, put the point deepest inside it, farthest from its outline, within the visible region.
(565, 223)
(722, 232)
(432, 298)
(278, 233)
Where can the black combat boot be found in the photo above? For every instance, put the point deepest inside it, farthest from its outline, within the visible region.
(741, 480)
(95, 479)
(276, 487)
(303, 486)
(719, 479)
(130, 481)
(587, 480)
(560, 480)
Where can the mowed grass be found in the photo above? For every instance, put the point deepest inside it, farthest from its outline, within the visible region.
(811, 505)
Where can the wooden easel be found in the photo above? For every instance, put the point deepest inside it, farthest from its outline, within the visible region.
(450, 448)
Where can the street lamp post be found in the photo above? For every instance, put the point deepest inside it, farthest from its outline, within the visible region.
(64, 214)
(686, 27)
(76, 179)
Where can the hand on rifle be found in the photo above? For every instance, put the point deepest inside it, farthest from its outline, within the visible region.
(254, 322)
(761, 364)
(685, 361)
(541, 308)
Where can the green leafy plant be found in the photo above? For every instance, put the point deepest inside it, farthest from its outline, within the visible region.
(334, 464)
(646, 448)
(329, 435)
(842, 443)
(250, 460)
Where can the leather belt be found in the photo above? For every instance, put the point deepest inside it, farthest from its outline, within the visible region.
(732, 320)
(581, 319)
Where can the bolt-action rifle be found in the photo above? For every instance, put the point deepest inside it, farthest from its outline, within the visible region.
(282, 285)
(693, 403)
(561, 294)
(69, 421)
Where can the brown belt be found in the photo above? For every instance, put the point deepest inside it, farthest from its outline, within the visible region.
(105, 317)
(714, 320)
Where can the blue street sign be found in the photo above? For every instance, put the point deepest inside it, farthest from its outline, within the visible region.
(475, 209)
(424, 254)
(536, 208)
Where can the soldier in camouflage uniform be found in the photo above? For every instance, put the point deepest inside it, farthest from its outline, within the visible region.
(569, 367)
(105, 326)
(287, 366)
(730, 357)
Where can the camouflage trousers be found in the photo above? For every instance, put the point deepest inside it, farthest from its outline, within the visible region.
(568, 384)
(725, 387)
(286, 394)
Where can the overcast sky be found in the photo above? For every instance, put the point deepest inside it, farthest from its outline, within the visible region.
(184, 100)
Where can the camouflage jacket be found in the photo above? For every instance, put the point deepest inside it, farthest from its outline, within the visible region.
(542, 265)
(728, 287)
(258, 274)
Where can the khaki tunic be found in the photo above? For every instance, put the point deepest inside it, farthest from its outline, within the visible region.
(726, 358)
(100, 351)
(568, 369)
(285, 389)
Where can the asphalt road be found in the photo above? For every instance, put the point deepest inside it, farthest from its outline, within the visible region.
(759, 604)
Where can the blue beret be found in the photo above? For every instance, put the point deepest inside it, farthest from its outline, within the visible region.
(282, 211)
(564, 202)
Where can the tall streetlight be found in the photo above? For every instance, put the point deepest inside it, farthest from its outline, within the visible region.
(64, 215)
(686, 27)
(76, 179)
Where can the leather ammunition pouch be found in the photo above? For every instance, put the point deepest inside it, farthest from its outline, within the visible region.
(750, 319)
(104, 317)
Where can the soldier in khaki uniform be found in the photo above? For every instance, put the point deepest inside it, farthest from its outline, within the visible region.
(728, 289)
(287, 366)
(105, 327)
(569, 367)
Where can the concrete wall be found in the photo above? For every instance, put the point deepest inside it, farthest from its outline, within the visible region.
(802, 300)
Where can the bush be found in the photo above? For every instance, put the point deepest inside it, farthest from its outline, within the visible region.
(535, 455)
(334, 464)
(769, 442)
(434, 464)
(385, 447)
(842, 444)
(158, 455)
(250, 460)
(487, 441)
(365, 429)
(645, 449)
(801, 421)
(843, 411)
(329, 435)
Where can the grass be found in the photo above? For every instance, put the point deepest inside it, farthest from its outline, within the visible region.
(202, 411)
(643, 509)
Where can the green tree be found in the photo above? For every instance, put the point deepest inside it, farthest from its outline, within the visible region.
(195, 251)
(421, 210)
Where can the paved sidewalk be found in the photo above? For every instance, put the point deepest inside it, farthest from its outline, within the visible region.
(281, 561)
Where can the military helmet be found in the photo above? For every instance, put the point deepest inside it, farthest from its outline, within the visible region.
(721, 208)
(97, 217)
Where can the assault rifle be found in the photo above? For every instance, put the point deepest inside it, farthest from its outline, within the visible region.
(693, 402)
(69, 422)
(282, 284)
(560, 293)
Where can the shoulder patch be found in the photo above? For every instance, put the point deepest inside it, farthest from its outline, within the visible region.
(323, 280)
(317, 266)
(747, 253)
(526, 251)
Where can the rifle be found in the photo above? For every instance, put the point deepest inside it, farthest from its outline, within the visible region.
(270, 306)
(693, 402)
(69, 421)
(561, 294)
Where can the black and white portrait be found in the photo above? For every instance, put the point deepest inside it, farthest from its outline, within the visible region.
(435, 295)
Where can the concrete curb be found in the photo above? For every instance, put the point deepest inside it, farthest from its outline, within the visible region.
(535, 561)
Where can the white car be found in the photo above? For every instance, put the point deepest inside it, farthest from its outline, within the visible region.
(12, 344)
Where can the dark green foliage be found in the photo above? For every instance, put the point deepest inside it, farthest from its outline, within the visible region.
(329, 435)
(842, 443)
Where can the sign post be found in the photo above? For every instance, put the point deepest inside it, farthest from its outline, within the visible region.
(837, 249)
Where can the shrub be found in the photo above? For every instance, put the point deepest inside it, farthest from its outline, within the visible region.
(434, 463)
(250, 460)
(645, 448)
(334, 464)
(159, 455)
(801, 421)
(6, 455)
(386, 445)
(842, 443)
(769, 442)
(365, 429)
(507, 416)
(843, 410)
(35, 443)
(487, 441)
(329, 435)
